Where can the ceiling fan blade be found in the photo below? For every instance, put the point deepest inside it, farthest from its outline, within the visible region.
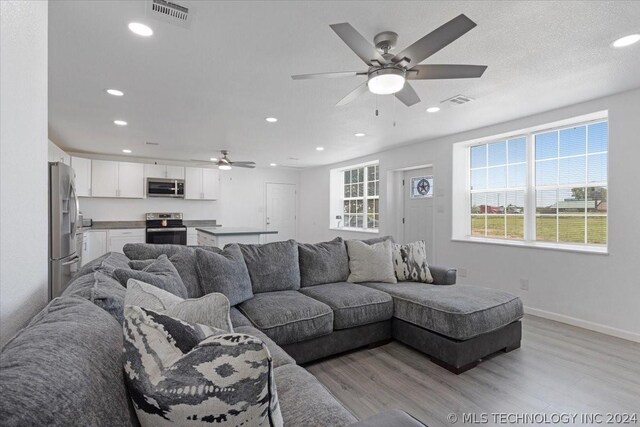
(408, 95)
(365, 50)
(445, 71)
(243, 164)
(353, 94)
(435, 40)
(329, 75)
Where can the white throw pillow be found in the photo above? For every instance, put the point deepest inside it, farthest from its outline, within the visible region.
(370, 263)
(211, 309)
(410, 262)
(185, 374)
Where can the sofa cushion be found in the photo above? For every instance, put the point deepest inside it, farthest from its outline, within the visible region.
(238, 319)
(273, 266)
(161, 274)
(178, 372)
(305, 402)
(65, 368)
(410, 262)
(370, 262)
(102, 290)
(182, 257)
(280, 357)
(106, 264)
(456, 311)
(325, 262)
(352, 305)
(288, 316)
(211, 309)
(224, 272)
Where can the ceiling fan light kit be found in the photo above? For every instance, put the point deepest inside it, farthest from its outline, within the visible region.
(387, 73)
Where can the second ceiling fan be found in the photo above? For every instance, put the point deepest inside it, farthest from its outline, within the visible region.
(388, 74)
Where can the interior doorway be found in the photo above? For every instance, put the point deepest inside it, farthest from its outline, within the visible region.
(281, 212)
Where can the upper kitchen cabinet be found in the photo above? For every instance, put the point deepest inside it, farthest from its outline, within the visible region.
(163, 171)
(117, 179)
(82, 168)
(201, 184)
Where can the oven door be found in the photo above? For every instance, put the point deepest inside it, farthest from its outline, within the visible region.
(167, 235)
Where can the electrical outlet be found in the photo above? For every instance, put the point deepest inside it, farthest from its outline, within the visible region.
(524, 284)
(462, 272)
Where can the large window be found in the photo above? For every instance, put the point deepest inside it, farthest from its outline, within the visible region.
(544, 186)
(354, 197)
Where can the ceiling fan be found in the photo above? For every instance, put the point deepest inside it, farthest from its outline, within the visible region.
(388, 74)
(224, 163)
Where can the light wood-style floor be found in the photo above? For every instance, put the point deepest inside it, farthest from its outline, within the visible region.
(559, 368)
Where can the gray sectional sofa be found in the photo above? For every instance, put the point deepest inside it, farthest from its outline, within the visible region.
(65, 367)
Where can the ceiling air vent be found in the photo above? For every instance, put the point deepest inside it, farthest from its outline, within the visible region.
(457, 100)
(170, 12)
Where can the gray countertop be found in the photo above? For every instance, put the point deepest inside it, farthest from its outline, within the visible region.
(116, 225)
(234, 231)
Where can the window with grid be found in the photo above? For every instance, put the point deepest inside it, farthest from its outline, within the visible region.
(545, 186)
(361, 197)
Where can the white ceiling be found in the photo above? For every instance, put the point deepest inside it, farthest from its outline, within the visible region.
(209, 87)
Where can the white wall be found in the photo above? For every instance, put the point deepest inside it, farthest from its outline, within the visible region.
(241, 204)
(57, 154)
(601, 292)
(23, 157)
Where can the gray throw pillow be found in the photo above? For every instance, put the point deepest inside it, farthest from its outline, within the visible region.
(273, 266)
(410, 262)
(325, 262)
(161, 274)
(181, 373)
(211, 309)
(371, 263)
(224, 272)
(375, 240)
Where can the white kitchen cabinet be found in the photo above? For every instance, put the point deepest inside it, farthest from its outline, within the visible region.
(163, 171)
(94, 245)
(118, 238)
(117, 179)
(130, 180)
(82, 168)
(201, 184)
(192, 236)
(57, 154)
(104, 178)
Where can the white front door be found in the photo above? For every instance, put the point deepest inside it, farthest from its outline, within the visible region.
(281, 212)
(418, 211)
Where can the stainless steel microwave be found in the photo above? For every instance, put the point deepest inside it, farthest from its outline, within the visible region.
(163, 187)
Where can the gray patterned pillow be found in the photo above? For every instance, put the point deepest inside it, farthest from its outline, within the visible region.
(161, 274)
(410, 262)
(211, 309)
(180, 373)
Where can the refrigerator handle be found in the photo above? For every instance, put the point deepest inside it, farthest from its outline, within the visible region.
(77, 205)
(73, 260)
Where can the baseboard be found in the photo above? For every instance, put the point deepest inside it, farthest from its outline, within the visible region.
(592, 326)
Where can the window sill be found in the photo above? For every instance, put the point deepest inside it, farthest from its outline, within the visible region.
(354, 229)
(565, 247)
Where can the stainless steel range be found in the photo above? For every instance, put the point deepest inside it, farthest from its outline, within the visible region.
(166, 228)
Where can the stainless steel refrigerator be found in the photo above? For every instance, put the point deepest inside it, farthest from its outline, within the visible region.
(65, 251)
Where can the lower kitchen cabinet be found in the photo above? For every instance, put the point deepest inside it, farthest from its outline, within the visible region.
(119, 238)
(94, 245)
(192, 236)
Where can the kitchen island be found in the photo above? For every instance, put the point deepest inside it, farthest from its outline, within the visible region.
(220, 236)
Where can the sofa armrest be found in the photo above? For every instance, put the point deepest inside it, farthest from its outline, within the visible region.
(443, 275)
(393, 417)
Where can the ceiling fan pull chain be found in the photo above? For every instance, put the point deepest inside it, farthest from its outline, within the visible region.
(394, 111)
(376, 105)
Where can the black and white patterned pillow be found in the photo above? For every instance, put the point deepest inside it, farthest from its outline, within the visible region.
(410, 262)
(181, 373)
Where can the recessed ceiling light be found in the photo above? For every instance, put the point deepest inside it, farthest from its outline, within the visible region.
(120, 122)
(126, 151)
(320, 148)
(273, 164)
(359, 134)
(271, 119)
(433, 109)
(213, 159)
(115, 92)
(140, 29)
(626, 40)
